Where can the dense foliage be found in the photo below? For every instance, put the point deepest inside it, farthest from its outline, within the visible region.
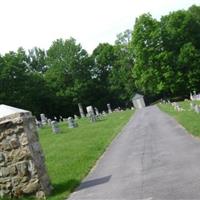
(159, 58)
(167, 53)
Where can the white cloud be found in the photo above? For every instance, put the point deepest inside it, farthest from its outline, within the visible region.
(30, 23)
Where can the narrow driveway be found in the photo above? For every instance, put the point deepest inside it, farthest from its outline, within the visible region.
(153, 158)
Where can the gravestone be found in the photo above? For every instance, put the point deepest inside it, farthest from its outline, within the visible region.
(192, 106)
(96, 111)
(117, 110)
(197, 108)
(104, 113)
(76, 117)
(60, 119)
(81, 110)
(55, 127)
(109, 108)
(64, 119)
(22, 164)
(90, 113)
(49, 122)
(43, 119)
(71, 122)
(38, 124)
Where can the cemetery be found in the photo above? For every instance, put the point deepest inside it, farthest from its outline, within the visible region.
(114, 122)
(187, 113)
(49, 158)
(68, 148)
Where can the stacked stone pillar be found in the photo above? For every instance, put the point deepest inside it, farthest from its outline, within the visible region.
(22, 168)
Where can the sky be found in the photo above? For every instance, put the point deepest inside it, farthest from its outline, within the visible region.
(30, 23)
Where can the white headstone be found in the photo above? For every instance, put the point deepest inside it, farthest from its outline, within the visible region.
(81, 110)
(55, 127)
(109, 108)
(90, 113)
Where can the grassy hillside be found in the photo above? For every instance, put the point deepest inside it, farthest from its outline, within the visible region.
(188, 118)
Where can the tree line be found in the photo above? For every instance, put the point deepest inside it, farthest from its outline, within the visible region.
(158, 58)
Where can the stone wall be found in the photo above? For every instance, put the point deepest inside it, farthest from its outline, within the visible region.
(22, 169)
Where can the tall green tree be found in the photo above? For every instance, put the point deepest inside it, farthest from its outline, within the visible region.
(37, 60)
(68, 73)
(146, 45)
(13, 78)
(121, 78)
(189, 65)
(160, 47)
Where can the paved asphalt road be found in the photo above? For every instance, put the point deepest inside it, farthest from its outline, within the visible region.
(154, 158)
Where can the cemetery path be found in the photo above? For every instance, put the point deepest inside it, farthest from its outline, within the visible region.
(153, 158)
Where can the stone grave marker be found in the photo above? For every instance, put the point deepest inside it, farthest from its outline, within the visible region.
(49, 122)
(43, 119)
(192, 106)
(60, 119)
(96, 111)
(55, 127)
(64, 119)
(38, 124)
(81, 110)
(197, 108)
(109, 108)
(71, 122)
(22, 164)
(76, 117)
(104, 113)
(90, 113)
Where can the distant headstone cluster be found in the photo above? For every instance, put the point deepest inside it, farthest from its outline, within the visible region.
(92, 114)
(194, 96)
(177, 107)
(195, 107)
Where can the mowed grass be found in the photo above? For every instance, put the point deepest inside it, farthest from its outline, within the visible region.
(71, 154)
(187, 118)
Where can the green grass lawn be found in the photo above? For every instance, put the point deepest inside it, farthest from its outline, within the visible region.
(71, 154)
(188, 118)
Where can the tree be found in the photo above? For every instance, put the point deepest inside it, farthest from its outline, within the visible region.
(103, 58)
(13, 77)
(68, 73)
(37, 60)
(189, 65)
(124, 38)
(121, 78)
(146, 45)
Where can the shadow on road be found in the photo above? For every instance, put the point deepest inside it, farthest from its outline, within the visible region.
(94, 182)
